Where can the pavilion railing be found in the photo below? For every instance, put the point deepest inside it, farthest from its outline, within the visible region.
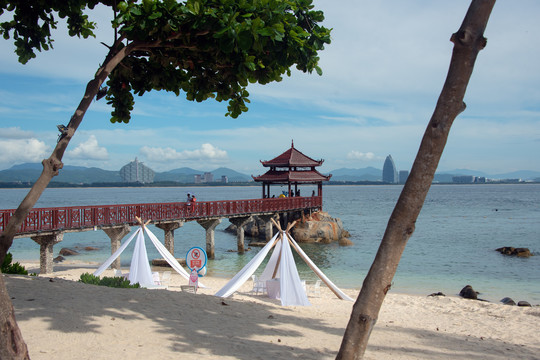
(81, 217)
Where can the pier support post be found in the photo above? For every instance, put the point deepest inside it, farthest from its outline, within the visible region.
(168, 227)
(210, 226)
(268, 226)
(46, 243)
(116, 233)
(239, 222)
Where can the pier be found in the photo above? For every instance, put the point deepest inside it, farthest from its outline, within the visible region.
(47, 226)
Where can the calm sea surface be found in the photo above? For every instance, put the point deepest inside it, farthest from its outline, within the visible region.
(454, 244)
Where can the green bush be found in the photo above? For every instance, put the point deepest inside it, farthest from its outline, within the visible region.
(9, 268)
(116, 282)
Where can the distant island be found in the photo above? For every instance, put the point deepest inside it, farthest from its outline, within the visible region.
(24, 175)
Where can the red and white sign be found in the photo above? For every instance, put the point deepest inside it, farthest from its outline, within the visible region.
(196, 258)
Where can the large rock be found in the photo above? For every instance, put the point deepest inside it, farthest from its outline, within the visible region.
(320, 227)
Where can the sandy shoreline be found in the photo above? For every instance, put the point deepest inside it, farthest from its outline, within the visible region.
(63, 319)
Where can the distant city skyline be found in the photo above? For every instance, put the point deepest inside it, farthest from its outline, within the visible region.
(382, 75)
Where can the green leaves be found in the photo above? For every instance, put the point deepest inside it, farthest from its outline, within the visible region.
(30, 22)
(199, 48)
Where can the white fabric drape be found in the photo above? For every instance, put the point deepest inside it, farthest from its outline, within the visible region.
(243, 275)
(168, 256)
(292, 292)
(139, 271)
(281, 265)
(116, 254)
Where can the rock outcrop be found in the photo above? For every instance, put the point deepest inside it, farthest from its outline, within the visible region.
(511, 251)
(68, 252)
(320, 227)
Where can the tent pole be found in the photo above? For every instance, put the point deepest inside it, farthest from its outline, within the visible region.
(280, 237)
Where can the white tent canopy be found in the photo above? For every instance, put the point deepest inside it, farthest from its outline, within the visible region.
(139, 271)
(281, 265)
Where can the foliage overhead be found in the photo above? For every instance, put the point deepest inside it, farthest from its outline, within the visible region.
(203, 48)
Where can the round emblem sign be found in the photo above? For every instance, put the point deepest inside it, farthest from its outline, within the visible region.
(196, 258)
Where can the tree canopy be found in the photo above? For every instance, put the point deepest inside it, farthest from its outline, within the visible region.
(202, 48)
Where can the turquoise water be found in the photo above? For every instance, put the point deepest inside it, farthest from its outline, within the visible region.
(456, 234)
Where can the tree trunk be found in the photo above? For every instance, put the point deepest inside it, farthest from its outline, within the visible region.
(8, 326)
(12, 345)
(468, 41)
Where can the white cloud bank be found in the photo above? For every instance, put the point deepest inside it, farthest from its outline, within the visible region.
(207, 153)
(89, 150)
(22, 151)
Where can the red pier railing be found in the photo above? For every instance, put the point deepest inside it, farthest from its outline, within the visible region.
(80, 217)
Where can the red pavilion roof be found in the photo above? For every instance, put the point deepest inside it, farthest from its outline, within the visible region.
(292, 158)
(284, 177)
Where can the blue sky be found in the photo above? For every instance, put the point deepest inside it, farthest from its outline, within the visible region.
(382, 76)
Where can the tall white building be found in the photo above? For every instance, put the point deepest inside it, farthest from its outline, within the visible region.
(135, 171)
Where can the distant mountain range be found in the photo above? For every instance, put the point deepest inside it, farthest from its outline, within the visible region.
(29, 172)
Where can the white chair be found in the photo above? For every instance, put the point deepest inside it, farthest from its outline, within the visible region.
(314, 289)
(118, 273)
(155, 278)
(259, 287)
(166, 278)
(188, 288)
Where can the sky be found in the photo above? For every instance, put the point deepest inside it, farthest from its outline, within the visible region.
(382, 76)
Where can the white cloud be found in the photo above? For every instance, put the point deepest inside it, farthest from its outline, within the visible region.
(14, 133)
(89, 150)
(22, 150)
(357, 155)
(207, 153)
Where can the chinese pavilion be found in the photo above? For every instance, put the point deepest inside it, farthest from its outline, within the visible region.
(291, 168)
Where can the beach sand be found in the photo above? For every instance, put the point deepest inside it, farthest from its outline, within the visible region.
(61, 318)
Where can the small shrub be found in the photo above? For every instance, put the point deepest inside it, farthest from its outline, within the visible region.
(9, 268)
(115, 282)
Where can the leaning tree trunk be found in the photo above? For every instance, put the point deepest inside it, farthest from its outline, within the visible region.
(12, 345)
(468, 41)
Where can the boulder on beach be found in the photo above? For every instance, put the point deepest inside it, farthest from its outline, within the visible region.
(68, 252)
(468, 293)
(508, 301)
(524, 303)
(91, 248)
(512, 251)
(58, 259)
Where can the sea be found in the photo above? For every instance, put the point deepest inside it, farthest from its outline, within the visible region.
(454, 243)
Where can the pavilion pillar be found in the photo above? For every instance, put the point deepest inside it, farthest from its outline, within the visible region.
(168, 228)
(210, 226)
(46, 243)
(239, 222)
(268, 226)
(116, 234)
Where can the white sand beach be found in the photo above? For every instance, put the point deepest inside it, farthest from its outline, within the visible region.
(61, 318)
